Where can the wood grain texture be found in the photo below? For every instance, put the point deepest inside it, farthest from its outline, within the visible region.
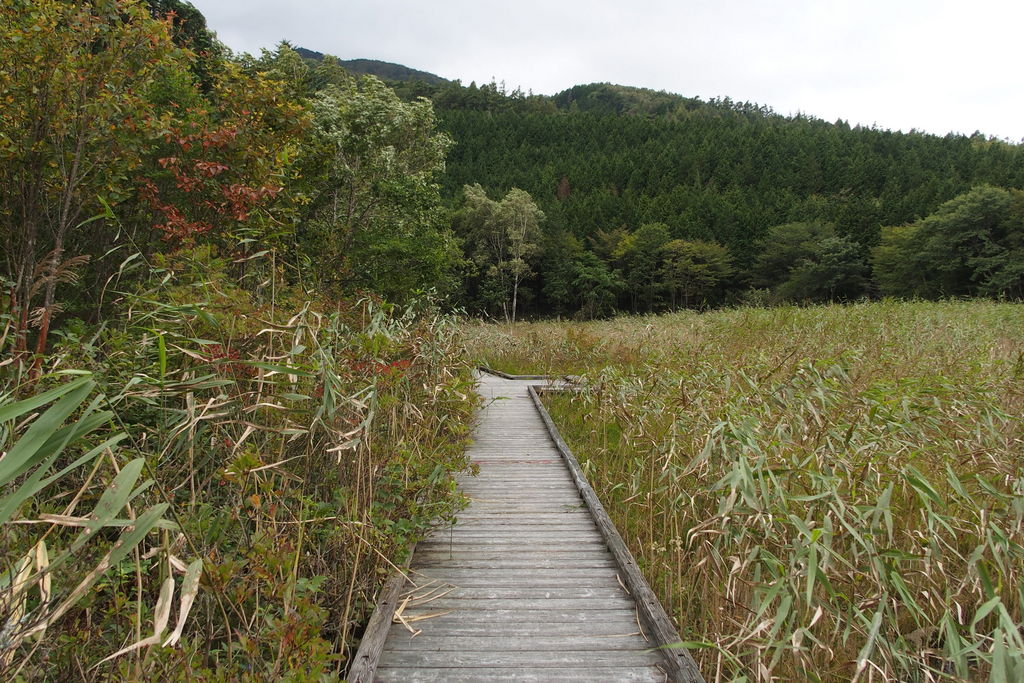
(526, 585)
(555, 632)
(552, 658)
(367, 657)
(523, 674)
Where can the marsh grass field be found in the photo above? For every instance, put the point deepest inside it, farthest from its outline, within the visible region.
(823, 493)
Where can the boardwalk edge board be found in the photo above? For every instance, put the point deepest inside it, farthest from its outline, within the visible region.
(364, 665)
(552, 380)
(681, 666)
(505, 375)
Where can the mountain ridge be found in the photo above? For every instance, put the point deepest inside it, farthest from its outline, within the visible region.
(387, 71)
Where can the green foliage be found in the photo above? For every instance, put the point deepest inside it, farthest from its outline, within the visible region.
(599, 158)
(502, 237)
(386, 71)
(221, 166)
(783, 248)
(48, 574)
(606, 98)
(639, 256)
(577, 282)
(972, 245)
(298, 439)
(73, 119)
(808, 262)
(372, 218)
(298, 451)
(695, 273)
(835, 271)
(189, 31)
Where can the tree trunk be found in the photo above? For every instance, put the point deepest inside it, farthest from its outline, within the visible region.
(515, 297)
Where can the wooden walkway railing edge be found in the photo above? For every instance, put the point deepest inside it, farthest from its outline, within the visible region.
(660, 629)
(364, 664)
(505, 375)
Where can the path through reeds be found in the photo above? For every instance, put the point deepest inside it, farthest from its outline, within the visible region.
(830, 493)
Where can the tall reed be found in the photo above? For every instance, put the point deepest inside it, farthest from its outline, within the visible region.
(285, 451)
(831, 493)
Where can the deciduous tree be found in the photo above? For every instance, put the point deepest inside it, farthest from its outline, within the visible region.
(695, 273)
(373, 205)
(972, 245)
(503, 236)
(73, 113)
(640, 257)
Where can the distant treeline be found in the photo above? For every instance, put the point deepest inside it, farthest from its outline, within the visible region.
(673, 201)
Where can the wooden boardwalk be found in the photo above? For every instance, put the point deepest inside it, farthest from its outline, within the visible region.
(523, 587)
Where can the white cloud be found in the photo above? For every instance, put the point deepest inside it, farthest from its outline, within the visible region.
(936, 65)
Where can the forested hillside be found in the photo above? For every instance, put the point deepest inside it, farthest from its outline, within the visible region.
(611, 157)
(387, 71)
(604, 161)
(650, 201)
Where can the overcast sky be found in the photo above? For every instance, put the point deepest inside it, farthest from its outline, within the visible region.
(933, 65)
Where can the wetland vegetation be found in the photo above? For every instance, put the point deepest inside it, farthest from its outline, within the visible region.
(236, 353)
(819, 493)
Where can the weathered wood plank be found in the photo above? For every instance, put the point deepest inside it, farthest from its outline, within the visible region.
(469, 658)
(551, 529)
(517, 563)
(457, 574)
(541, 473)
(576, 539)
(403, 640)
(544, 512)
(532, 482)
(433, 557)
(523, 580)
(535, 497)
(463, 592)
(525, 522)
(571, 516)
(500, 527)
(540, 479)
(555, 494)
(492, 480)
(429, 557)
(375, 636)
(560, 492)
(492, 510)
(564, 531)
(649, 674)
(582, 604)
(555, 632)
(617, 615)
(522, 587)
(521, 545)
(517, 539)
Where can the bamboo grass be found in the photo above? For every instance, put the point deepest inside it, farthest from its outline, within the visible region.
(828, 493)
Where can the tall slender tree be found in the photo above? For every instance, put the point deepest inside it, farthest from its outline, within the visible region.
(504, 236)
